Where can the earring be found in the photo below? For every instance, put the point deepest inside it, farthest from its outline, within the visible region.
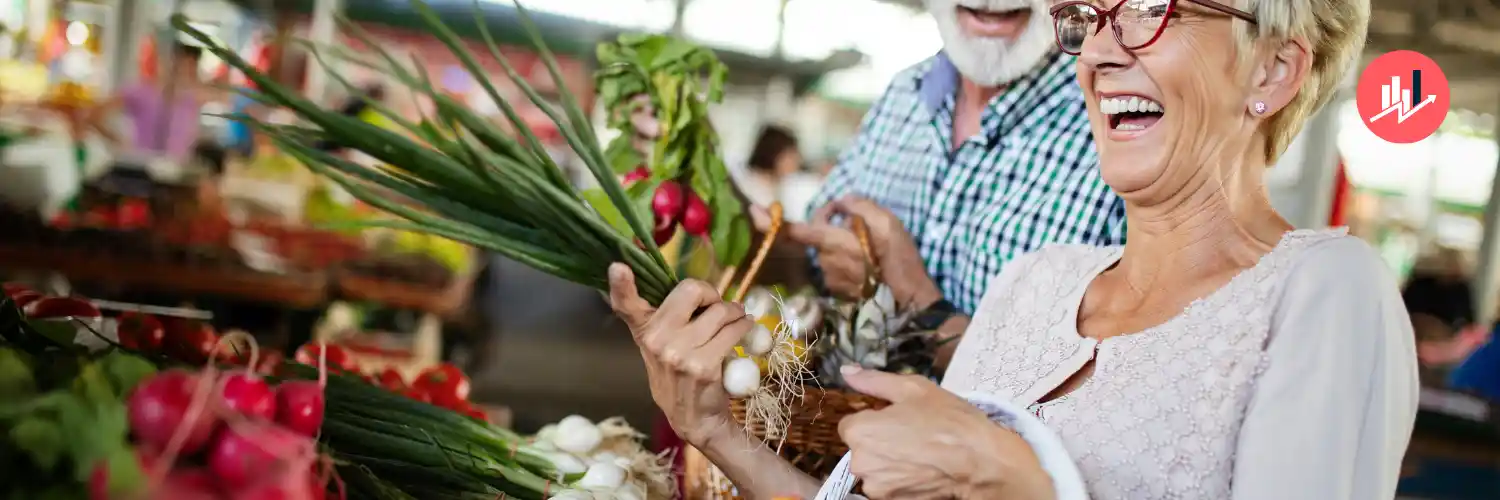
(1260, 107)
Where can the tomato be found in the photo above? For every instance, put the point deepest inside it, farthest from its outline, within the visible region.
(337, 358)
(12, 288)
(445, 384)
(141, 332)
(391, 379)
(417, 394)
(476, 412)
(189, 341)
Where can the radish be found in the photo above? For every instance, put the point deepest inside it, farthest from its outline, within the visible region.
(61, 307)
(696, 216)
(667, 203)
(188, 484)
(252, 452)
(299, 406)
(12, 288)
(741, 377)
(577, 435)
(662, 235)
(25, 298)
(247, 394)
(158, 411)
(640, 173)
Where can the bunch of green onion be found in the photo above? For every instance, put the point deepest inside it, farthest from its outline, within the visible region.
(471, 181)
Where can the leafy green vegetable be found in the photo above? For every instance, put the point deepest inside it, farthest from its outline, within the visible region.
(40, 438)
(16, 380)
(672, 74)
(125, 371)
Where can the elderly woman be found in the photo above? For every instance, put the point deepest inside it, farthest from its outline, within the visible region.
(1219, 354)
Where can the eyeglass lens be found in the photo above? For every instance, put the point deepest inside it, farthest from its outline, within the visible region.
(1136, 23)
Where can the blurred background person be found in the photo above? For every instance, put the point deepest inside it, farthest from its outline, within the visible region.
(162, 117)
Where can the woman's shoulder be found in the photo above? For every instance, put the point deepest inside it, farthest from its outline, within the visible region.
(1332, 257)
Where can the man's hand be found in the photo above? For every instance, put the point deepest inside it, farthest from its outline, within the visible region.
(901, 265)
(839, 254)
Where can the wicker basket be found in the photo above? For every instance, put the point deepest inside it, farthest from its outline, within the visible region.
(811, 443)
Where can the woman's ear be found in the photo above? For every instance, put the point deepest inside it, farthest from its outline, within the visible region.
(1279, 77)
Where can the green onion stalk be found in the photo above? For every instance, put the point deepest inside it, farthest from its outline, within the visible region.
(456, 175)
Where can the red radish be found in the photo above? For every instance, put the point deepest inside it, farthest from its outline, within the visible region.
(667, 203)
(299, 406)
(12, 288)
(141, 332)
(417, 394)
(25, 298)
(247, 394)
(188, 484)
(61, 307)
(268, 362)
(695, 217)
(246, 454)
(189, 341)
(639, 174)
(663, 235)
(159, 407)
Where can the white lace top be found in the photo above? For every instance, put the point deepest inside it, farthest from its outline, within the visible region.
(1296, 380)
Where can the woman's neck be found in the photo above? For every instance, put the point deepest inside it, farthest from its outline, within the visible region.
(1219, 227)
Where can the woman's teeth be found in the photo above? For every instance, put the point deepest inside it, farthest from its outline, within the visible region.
(1117, 105)
(1130, 113)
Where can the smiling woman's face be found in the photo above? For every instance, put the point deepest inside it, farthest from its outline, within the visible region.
(1160, 112)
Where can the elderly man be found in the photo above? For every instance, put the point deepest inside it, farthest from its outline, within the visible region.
(971, 158)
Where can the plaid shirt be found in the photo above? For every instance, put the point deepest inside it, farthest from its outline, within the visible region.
(1029, 177)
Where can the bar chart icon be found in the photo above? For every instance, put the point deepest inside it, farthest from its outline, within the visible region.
(1399, 101)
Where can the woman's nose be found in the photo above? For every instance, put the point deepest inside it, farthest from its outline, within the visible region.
(1102, 53)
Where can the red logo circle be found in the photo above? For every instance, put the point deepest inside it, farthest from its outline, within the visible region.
(1402, 96)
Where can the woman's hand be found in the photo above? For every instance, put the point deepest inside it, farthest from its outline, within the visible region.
(930, 444)
(684, 352)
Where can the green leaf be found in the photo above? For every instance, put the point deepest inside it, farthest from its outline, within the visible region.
(124, 471)
(126, 371)
(16, 378)
(731, 237)
(40, 438)
(93, 385)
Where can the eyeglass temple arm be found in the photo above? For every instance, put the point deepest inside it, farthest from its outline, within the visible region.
(1248, 17)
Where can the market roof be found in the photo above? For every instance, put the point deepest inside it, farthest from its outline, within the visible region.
(563, 35)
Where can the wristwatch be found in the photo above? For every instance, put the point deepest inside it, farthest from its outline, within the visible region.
(934, 316)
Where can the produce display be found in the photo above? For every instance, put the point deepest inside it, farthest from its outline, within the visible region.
(173, 410)
(463, 178)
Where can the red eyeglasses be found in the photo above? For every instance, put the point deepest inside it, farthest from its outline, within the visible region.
(1136, 23)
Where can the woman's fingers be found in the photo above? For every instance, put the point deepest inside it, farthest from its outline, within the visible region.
(626, 300)
(685, 300)
(706, 362)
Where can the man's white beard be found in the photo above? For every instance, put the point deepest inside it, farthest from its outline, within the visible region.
(993, 62)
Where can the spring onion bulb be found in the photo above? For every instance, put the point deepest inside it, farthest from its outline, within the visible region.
(602, 476)
(629, 492)
(564, 463)
(741, 377)
(572, 495)
(577, 435)
(759, 341)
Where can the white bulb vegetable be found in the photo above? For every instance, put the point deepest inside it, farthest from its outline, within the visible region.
(602, 476)
(741, 377)
(565, 463)
(572, 495)
(629, 492)
(759, 341)
(577, 435)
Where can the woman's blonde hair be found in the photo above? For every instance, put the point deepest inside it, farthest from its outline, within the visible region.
(1335, 32)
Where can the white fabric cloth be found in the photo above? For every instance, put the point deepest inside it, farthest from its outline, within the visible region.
(1296, 380)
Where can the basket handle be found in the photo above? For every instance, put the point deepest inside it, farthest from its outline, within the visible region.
(872, 265)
